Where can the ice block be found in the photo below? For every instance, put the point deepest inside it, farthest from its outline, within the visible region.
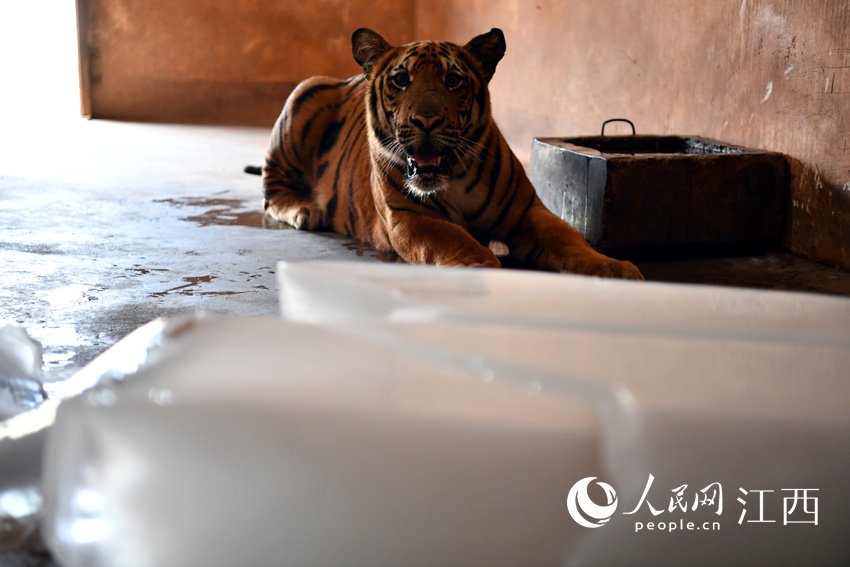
(404, 415)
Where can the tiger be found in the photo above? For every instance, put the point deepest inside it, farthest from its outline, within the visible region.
(407, 158)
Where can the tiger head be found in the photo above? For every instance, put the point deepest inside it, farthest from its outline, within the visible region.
(427, 106)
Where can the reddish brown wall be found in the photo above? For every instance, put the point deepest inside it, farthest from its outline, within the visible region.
(771, 74)
(222, 62)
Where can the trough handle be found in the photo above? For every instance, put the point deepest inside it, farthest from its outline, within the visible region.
(627, 121)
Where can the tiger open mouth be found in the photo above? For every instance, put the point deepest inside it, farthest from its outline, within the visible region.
(426, 160)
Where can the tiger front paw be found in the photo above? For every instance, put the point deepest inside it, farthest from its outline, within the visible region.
(483, 258)
(305, 218)
(595, 264)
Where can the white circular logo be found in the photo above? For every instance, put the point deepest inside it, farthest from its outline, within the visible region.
(584, 510)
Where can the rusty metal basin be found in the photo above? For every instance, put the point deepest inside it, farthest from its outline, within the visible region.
(657, 193)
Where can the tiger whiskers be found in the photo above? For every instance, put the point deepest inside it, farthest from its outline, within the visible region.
(392, 153)
(476, 149)
(459, 155)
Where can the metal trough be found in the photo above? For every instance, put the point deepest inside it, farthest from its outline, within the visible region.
(661, 192)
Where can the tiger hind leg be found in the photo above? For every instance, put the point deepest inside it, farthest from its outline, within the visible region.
(287, 198)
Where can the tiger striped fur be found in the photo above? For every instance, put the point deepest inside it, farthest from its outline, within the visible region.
(407, 158)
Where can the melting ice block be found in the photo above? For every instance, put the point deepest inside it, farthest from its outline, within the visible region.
(403, 415)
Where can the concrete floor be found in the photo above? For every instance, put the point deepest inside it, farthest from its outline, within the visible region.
(109, 225)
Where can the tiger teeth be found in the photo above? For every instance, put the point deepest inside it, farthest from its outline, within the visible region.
(411, 167)
(414, 164)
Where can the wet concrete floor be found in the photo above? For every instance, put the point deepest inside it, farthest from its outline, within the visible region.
(108, 225)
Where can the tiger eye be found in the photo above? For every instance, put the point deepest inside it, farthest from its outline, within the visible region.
(452, 80)
(401, 80)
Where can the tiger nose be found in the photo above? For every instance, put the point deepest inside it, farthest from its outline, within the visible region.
(426, 122)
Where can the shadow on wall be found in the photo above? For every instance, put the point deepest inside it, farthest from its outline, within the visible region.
(817, 216)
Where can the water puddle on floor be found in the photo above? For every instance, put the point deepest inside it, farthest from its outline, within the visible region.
(191, 285)
(60, 344)
(52, 360)
(73, 294)
(224, 212)
(235, 212)
(361, 249)
(138, 270)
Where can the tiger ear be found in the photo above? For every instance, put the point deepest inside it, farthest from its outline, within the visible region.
(488, 49)
(368, 47)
